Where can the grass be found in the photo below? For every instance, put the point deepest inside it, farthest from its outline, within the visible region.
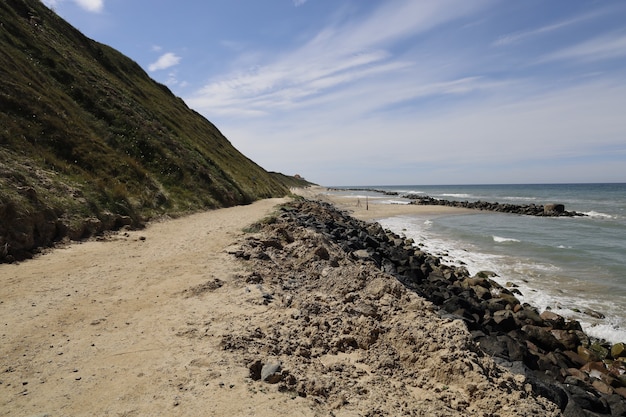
(87, 129)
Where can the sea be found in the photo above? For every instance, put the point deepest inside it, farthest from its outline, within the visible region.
(574, 266)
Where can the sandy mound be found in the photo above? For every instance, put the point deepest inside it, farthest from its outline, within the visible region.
(195, 317)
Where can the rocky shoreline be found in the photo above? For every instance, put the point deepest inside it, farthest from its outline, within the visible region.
(553, 357)
(542, 210)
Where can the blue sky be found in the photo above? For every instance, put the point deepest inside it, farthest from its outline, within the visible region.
(374, 92)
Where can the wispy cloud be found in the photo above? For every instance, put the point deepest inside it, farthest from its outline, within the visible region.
(382, 94)
(299, 3)
(165, 61)
(517, 37)
(337, 57)
(609, 46)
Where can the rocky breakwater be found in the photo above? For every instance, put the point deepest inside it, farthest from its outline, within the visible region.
(549, 210)
(582, 376)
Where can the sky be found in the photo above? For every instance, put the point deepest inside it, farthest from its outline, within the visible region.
(391, 92)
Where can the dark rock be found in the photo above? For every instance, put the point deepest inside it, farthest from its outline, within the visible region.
(542, 337)
(255, 370)
(552, 209)
(270, 372)
(567, 338)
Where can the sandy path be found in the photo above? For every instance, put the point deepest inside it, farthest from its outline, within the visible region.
(100, 328)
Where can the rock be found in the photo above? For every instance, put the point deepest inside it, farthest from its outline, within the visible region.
(600, 351)
(255, 370)
(552, 209)
(553, 319)
(270, 372)
(586, 354)
(593, 313)
(567, 338)
(322, 253)
(542, 337)
(618, 350)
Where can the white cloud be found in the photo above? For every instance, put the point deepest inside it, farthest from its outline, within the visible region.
(94, 6)
(337, 57)
(299, 3)
(603, 47)
(91, 5)
(165, 61)
(517, 37)
(347, 108)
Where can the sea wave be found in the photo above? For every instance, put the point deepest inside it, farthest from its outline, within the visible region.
(457, 195)
(395, 202)
(499, 239)
(519, 198)
(598, 215)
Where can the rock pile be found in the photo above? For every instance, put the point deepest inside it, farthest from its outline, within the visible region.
(553, 356)
(547, 210)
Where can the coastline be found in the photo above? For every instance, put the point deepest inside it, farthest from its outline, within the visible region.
(196, 315)
(376, 210)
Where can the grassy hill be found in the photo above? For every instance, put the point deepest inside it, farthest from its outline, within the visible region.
(89, 142)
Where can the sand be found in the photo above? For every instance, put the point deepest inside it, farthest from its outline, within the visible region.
(376, 208)
(141, 323)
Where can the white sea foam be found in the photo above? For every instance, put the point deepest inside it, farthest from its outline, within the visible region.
(395, 202)
(542, 285)
(457, 195)
(598, 215)
(519, 198)
(499, 239)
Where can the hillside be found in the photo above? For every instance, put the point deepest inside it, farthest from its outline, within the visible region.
(89, 142)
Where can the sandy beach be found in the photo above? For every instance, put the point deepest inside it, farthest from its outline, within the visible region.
(164, 321)
(374, 209)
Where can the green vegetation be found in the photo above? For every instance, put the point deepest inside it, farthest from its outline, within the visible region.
(89, 142)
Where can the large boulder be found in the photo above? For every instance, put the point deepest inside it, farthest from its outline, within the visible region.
(553, 209)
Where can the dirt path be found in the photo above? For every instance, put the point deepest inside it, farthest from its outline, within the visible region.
(99, 328)
(166, 321)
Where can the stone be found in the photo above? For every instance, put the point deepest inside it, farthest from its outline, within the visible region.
(567, 338)
(618, 350)
(601, 351)
(553, 319)
(270, 372)
(552, 209)
(575, 358)
(542, 337)
(586, 354)
(593, 313)
(255, 370)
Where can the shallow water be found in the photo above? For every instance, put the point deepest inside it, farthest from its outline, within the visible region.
(567, 264)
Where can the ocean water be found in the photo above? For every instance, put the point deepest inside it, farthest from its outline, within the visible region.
(569, 265)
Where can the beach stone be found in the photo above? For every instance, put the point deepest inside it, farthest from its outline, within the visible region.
(553, 319)
(616, 404)
(575, 357)
(586, 354)
(551, 209)
(601, 351)
(255, 370)
(542, 337)
(567, 338)
(270, 372)
(593, 313)
(586, 400)
(618, 350)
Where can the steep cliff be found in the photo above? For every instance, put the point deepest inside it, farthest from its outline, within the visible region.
(89, 142)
